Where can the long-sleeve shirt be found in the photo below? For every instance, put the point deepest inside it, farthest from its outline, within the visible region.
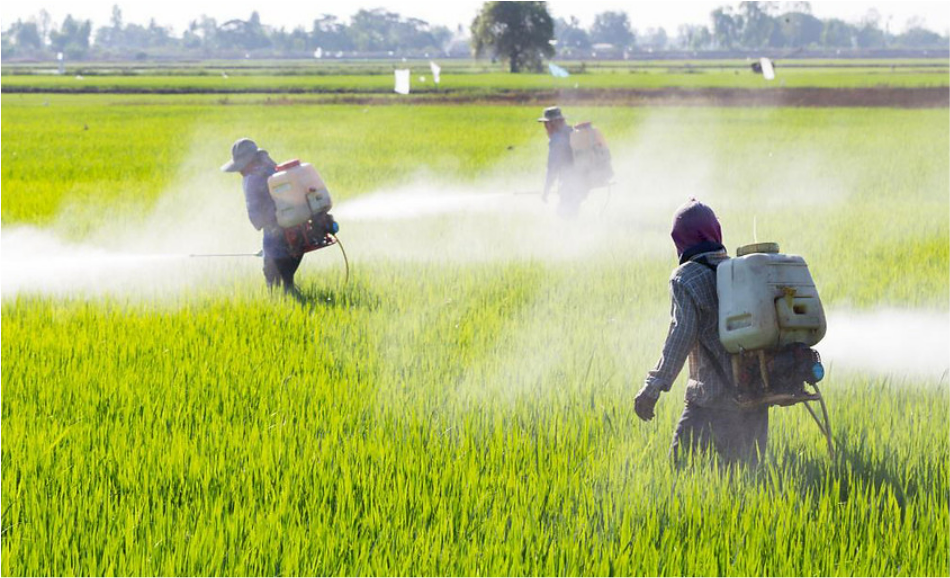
(560, 158)
(694, 334)
(262, 211)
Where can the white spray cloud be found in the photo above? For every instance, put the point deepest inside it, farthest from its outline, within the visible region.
(898, 342)
(137, 253)
(37, 262)
(413, 203)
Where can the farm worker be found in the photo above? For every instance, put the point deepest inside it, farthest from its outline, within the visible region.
(571, 188)
(711, 417)
(255, 165)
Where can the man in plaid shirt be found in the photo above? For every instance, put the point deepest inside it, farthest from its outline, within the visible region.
(711, 417)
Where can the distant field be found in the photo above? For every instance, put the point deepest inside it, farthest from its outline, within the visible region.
(453, 66)
(309, 77)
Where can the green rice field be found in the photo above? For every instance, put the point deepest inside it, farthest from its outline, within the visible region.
(462, 403)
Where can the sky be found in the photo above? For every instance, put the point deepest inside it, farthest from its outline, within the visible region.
(292, 13)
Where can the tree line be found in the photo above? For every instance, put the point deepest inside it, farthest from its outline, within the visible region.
(378, 32)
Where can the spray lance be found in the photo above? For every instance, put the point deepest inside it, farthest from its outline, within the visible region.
(258, 254)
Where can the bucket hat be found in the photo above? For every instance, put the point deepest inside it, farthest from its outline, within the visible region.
(551, 113)
(243, 151)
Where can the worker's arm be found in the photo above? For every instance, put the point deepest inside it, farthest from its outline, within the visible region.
(551, 174)
(260, 206)
(682, 336)
(560, 156)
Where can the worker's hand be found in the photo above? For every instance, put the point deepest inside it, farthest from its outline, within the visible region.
(645, 404)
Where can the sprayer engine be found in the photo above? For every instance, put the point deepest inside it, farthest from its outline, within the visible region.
(776, 377)
(315, 233)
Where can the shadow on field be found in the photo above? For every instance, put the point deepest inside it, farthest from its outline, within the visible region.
(853, 471)
(349, 296)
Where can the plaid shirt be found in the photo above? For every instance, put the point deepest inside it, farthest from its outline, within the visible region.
(694, 333)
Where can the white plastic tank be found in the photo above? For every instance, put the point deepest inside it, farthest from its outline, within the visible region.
(298, 192)
(767, 300)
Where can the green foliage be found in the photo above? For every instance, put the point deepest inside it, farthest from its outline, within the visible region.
(460, 417)
(72, 38)
(520, 32)
(309, 78)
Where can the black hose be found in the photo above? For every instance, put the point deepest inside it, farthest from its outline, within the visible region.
(825, 427)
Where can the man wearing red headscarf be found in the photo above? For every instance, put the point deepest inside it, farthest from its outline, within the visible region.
(711, 418)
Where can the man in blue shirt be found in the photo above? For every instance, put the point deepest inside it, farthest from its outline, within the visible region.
(255, 166)
(571, 188)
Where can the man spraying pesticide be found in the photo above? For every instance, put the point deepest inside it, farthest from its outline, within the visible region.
(746, 325)
(578, 161)
(290, 203)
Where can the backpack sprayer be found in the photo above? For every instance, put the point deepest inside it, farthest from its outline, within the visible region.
(769, 317)
(302, 203)
(592, 161)
(591, 156)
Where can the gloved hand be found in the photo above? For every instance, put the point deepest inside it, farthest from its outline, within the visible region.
(644, 404)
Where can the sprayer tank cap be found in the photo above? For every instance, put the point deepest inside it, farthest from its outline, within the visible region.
(757, 248)
(288, 165)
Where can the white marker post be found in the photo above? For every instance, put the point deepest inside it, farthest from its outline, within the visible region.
(402, 80)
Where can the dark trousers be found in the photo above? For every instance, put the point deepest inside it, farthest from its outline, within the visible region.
(569, 202)
(737, 435)
(280, 272)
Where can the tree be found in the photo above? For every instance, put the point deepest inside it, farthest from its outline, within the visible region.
(569, 34)
(869, 34)
(329, 33)
(917, 36)
(45, 22)
(800, 29)
(837, 33)
(654, 39)
(757, 25)
(693, 37)
(613, 28)
(7, 48)
(111, 37)
(246, 35)
(520, 32)
(27, 36)
(726, 27)
(72, 38)
(378, 30)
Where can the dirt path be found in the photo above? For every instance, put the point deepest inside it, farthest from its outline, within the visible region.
(888, 97)
(879, 97)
